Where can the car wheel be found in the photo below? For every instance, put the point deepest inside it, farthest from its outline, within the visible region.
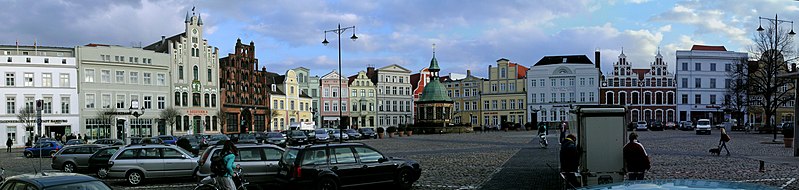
(135, 177)
(69, 167)
(327, 184)
(28, 154)
(102, 173)
(404, 179)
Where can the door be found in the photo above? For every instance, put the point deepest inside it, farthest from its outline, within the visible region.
(374, 170)
(81, 156)
(273, 156)
(252, 163)
(150, 160)
(176, 163)
(343, 163)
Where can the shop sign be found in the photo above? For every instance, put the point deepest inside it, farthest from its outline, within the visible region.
(55, 121)
(197, 112)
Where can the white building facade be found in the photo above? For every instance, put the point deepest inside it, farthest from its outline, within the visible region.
(112, 78)
(702, 79)
(556, 83)
(394, 97)
(38, 73)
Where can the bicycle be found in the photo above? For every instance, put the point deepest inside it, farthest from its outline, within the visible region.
(209, 182)
(542, 140)
(2, 175)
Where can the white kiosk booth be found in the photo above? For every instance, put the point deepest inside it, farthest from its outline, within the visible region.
(601, 136)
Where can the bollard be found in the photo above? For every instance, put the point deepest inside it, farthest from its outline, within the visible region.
(762, 168)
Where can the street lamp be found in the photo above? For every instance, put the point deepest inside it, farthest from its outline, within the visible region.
(776, 38)
(338, 31)
(640, 98)
(135, 111)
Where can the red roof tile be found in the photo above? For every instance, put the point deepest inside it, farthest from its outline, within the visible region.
(708, 48)
(521, 71)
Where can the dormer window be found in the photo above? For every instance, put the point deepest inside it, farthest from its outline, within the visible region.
(274, 88)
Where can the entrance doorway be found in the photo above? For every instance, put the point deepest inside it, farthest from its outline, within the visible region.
(55, 130)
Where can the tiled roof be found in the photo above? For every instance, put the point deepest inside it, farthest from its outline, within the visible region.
(160, 48)
(521, 72)
(571, 59)
(708, 48)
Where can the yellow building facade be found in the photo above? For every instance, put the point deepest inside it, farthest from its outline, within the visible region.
(288, 103)
(503, 96)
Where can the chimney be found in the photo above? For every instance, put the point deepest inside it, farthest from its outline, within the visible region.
(468, 72)
(163, 38)
(597, 59)
(370, 70)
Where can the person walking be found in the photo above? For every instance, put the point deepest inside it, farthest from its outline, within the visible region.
(723, 141)
(570, 160)
(8, 144)
(635, 158)
(230, 151)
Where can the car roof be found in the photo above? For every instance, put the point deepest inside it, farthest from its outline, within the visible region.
(53, 179)
(147, 145)
(88, 145)
(328, 145)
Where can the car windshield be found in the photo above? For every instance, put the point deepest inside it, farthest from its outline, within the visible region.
(218, 137)
(246, 136)
(703, 123)
(366, 130)
(89, 185)
(165, 138)
(289, 156)
(320, 131)
(273, 135)
(297, 133)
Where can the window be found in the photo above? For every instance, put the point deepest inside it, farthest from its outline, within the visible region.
(335, 106)
(171, 153)
(502, 73)
(10, 79)
(121, 101)
(367, 155)
(493, 87)
(120, 76)
(698, 83)
(327, 106)
(712, 83)
(485, 105)
(105, 76)
(28, 79)
(11, 105)
(134, 98)
(712, 99)
(89, 100)
(697, 99)
(177, 98)
(342, 155)
(89, 75)
(180, 72)
(105, 101)
(64, 105)
(685, 66)
(148, 102)
(210, 76)
(591, 96)
(728, 67)
(504, 104)
(316, 157)
(147, 78)
(698, 66)
(494, 104)
(161, 79)
(712, 66)
(196, 72)
(533, 83)
(134, 77)
(502, 87)
(685, 82)
(326, 92)
(207, 100)
(213, 100)
(513, 104)
(195, 99)
(47, 79)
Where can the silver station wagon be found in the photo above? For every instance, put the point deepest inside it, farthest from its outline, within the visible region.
(136, 163)
(73, 158)
(258, 161)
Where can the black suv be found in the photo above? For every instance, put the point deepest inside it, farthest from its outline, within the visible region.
(368, 133)
(296, 137)
(331, 166)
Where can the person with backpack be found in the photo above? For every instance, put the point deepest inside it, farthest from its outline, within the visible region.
(223, 166)
(635, 158)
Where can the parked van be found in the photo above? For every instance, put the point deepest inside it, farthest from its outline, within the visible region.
(703, 126)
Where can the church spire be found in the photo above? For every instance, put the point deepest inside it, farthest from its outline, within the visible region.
(188, 18)
(434, 63)
(200, 19)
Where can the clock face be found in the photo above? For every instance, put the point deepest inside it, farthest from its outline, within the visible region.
(194, 31)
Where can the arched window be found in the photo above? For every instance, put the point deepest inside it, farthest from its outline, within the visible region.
(185, 99)
(207, 100)
(622, 98)
(213, 100)
(180, 72)
(196, 71)
(609, 98)
(177, 98)
(635, 98)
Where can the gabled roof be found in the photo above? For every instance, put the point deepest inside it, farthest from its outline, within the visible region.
(521, 72)
(162, 48)
(708, 48)
(641, 73)
(570, 59)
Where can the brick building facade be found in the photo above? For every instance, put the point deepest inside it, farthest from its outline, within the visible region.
(649, 94)
(244, 99)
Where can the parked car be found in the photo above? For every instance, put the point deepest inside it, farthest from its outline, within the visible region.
(109, 142)
(215, 138)
(670, 125)
(703, 126)
(335, 135)
(54, 181)
(367, 133)
(335, 166)
(233, 137)
(275, 138)
(296, 138)
(769, 129)
(260, 136)
(686, 126)
(311, 134)
(168, 139)
(44, 139)
(353, 134)
(258, 161)
(641, 126)
(655, 126)
(247, 139)
(73, 158)
(136, 163)
(320, 136)
(75, 142)
(44, 148)
(98, 162)
(194, 141)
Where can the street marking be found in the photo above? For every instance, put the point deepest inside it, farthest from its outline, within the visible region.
(763, 180)
(447, 186)
(165, 186)
(787, 183)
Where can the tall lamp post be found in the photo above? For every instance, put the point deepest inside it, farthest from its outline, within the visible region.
(640, 98)
(776, 38)
(338, 32)
(136, 111)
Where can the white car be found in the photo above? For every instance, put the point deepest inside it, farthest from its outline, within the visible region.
(703, 126)
(641, 126)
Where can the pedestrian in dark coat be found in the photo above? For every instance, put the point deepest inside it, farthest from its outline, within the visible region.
(570, 160)
(723, 141)
(8, 144)
(635, 158)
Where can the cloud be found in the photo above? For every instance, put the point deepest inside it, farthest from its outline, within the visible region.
(705, 20)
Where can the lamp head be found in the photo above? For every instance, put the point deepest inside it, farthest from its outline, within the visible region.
(325, 42)
(760, 28)
(791, 33)
(354, 37)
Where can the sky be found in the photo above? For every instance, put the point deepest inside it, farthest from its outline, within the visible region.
(469, 34)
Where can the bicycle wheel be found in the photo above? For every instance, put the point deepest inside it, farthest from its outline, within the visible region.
(205, 187)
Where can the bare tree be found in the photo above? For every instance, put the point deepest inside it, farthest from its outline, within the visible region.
(773, 49)
(27, 116)
(169, 115)
(736, 98)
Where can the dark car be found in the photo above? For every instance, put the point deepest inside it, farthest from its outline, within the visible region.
(44, 148)
(233, 137)
(54, 181)
(75, 142)
(247, 139)
(73, 158)
(344, 165)
(258, 161)
(353, 134)
(655, 126)
(368, 133)
(275, 138)
(214, 139)
(194, 141)
(109, 142)
(686, 126)
(296, 138)
(260, 136)
(168, 139)
(98, 162)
